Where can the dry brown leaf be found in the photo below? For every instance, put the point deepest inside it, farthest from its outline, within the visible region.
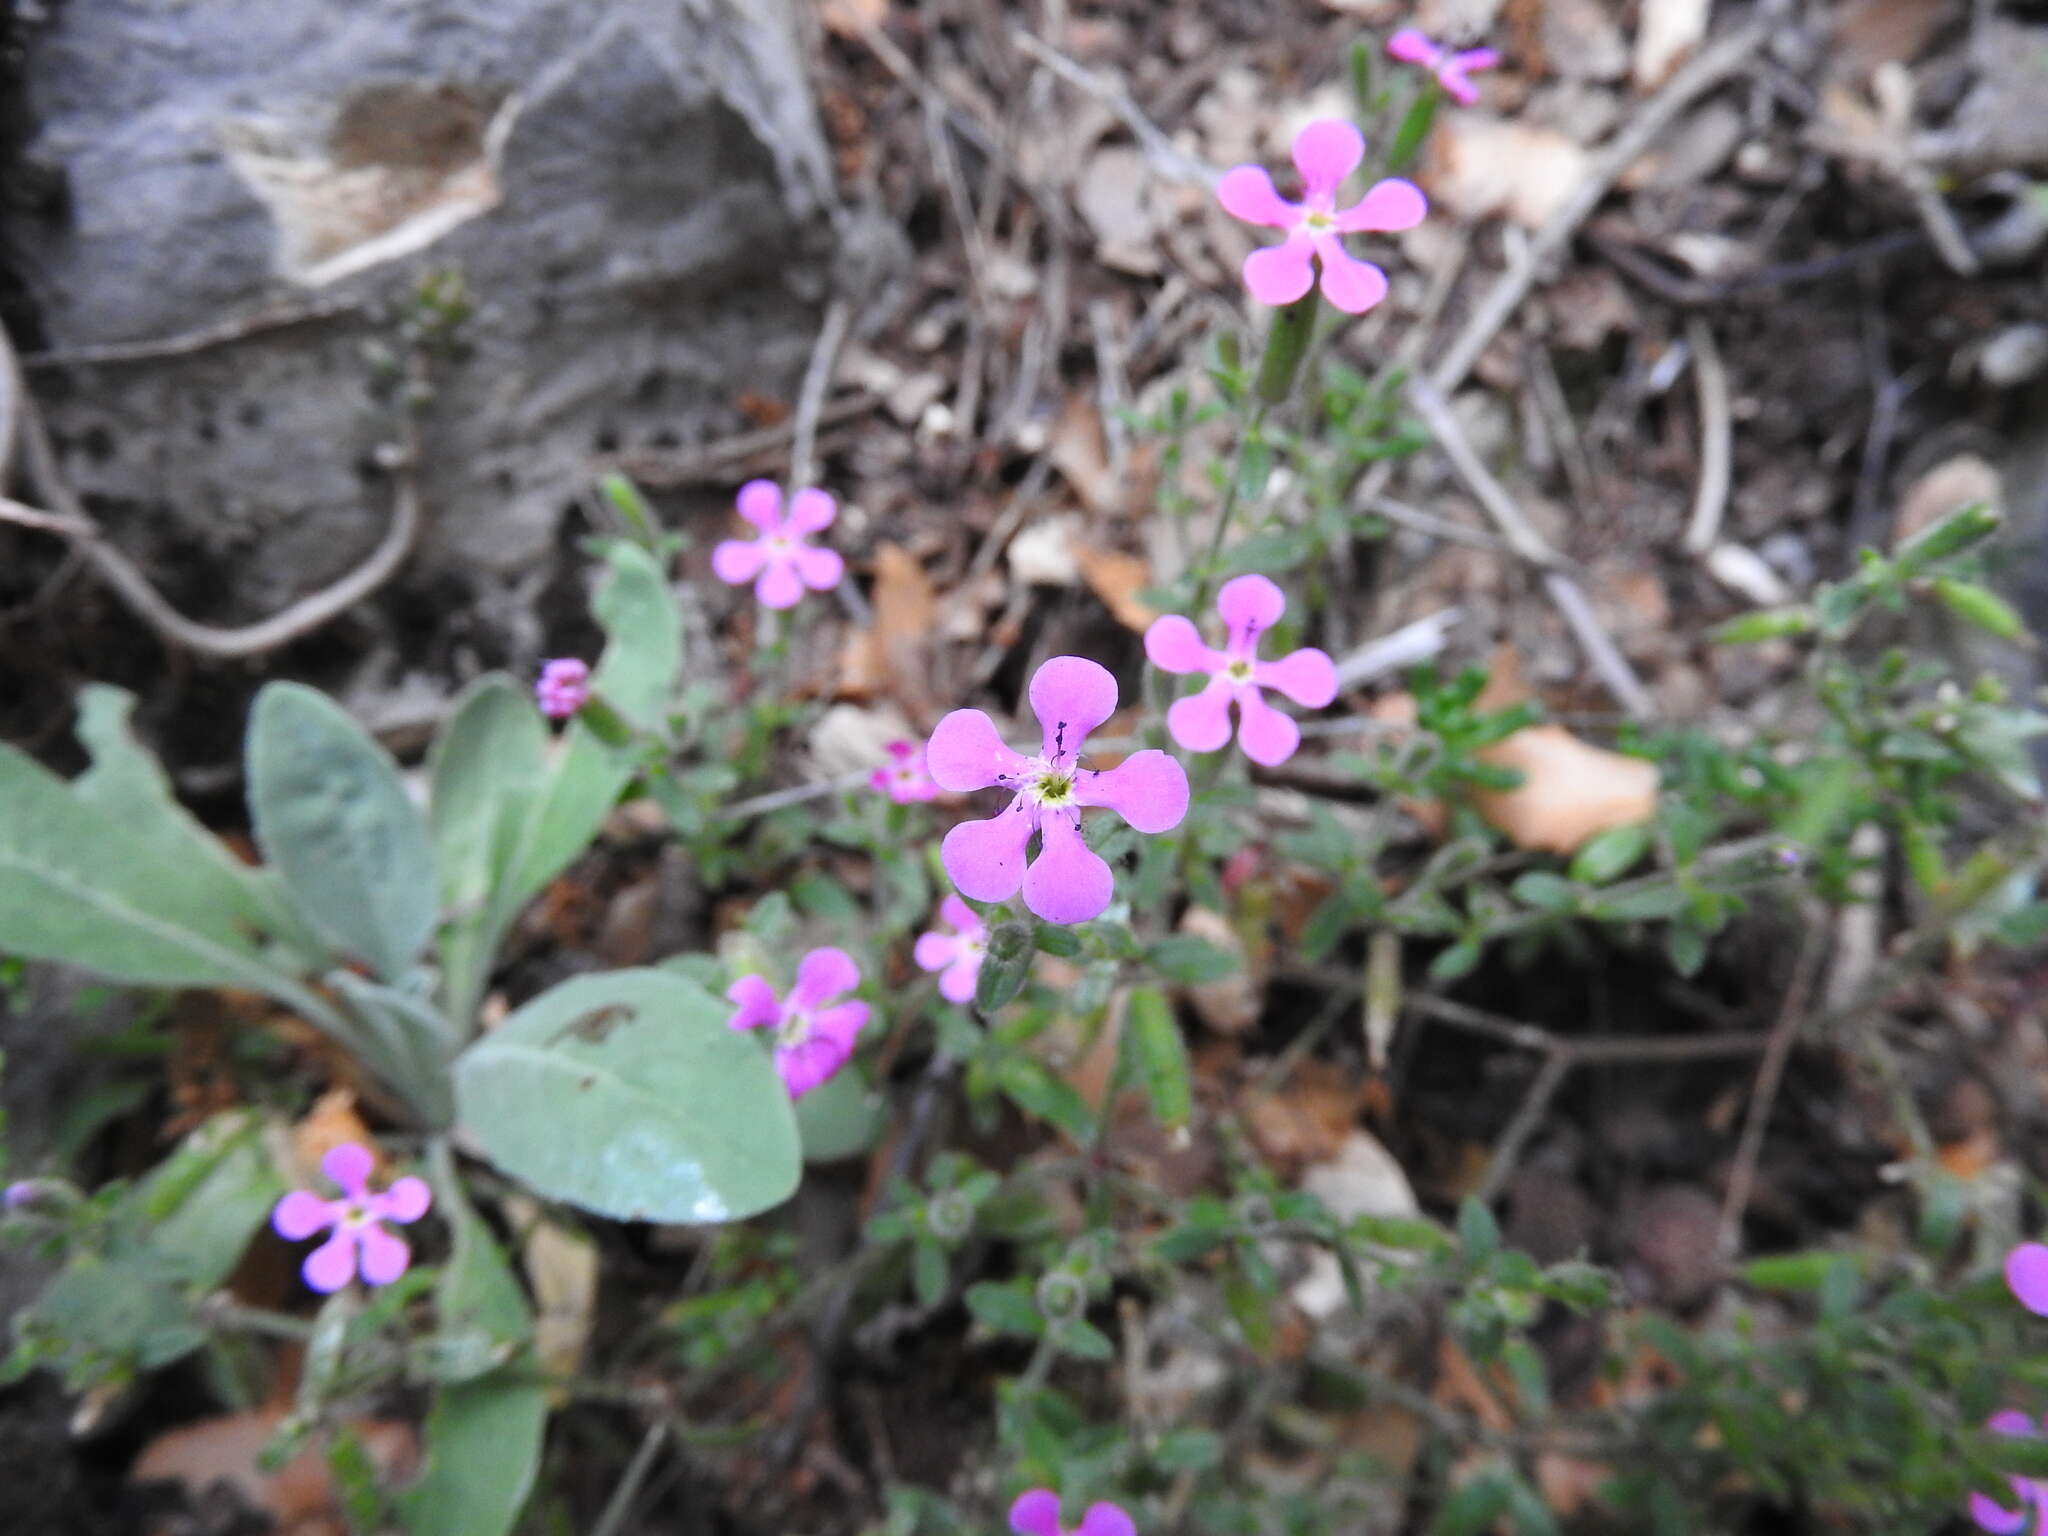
(1459, 1385)
(1480, 166)
(1231, 1003)
(852, 18)
(1869, 33)
(1079, 452)
(1950, 486)
(298, 1496)
(1569, 1483)
(1116, 197)
(1570, 790)
(561, 1265)
(1307, 1121)
(331, 1122)
(1666, 36)
(1118, 578)
(893, 656)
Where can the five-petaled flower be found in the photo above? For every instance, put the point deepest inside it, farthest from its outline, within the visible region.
(813, 1035)
(1068, 882)
(1452, 67)
(2028, 1509)
(1325, 152)
(2026, 1272)
(779, 563)
(360, 1243)
(904, 778)
(564, 687)
(1037, 1513)
(1250, 605)
(958, 955)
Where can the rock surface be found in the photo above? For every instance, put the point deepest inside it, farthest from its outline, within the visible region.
(635, 196)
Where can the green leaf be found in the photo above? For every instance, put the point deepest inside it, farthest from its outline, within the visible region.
(1788, 1271)
(1980, 606)
(1054, 940)
(477, 1292)
(1190, 960)
(1004, 969)
(627, 1095)
(1767, 624)
(1004, 1306)
(82, 889)
(1084, 1341)
(1415, 126)
(1158, 1056)
(333, 817)
(1610, 854)
(1545, 892)
(1947, 538)
(1456, 961)
(637, 675)
(1478, 1231)
(1646, 905)
(483, 1454)
(2025, 927)
(840, 1117)
(1037, 1092)
(407, 1042)
(1474, 1507)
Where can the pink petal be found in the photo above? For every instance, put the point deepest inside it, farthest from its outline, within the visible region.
(384, 1255)
(1412, 47)
(1173, 644)
(1036, 1513)
(300, 1214)
(935, 951)
(1994, 1517)
(1352, 285)
(804, 1067)
(760, 503)
(1307, 676)
(965, 920)
(738, 561)
(1106, 1520)
(1452, 78)
(406, 1200)
(883, 779)
(967, 752)
(810, 511)
(1267, 736)
(1148, 789)
(1282, 273)
(779, 586)
(333, 1264)
(1068, 882)
(823, 974)
(349, 1166)
(902, 751)
(1327, 151)
(957, 985)
(1071, 695)
(986, 858)
(819, 569)
(841, 1024)
(1476, 58)
(1201, 722)
(757, 1002)
(1391, 204)
(1250, 605)
(2026, 1271)
(2010, 1421)
(1246, 192)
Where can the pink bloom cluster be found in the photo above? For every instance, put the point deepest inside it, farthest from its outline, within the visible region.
(1068, 882)
(564, 687)
(360, 1244)
(779, 563)
(2026, 1272)
(2029, 1508)
(1451, 67)
(1250, 605)
(957, 956)
(1037, 1513)
(1325, 152)
(813, 1035)
(904, 778)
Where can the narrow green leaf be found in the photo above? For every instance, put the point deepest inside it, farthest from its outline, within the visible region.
(1158, 1056)
(1037, 1092)
(839, 1118)
(1190, 960)
(332, 815)
(644, 656)
(1004, 1306)
(1478, 1231)
(483, 1454)
(1545, 891)
(1610, 854)
(1980, 606)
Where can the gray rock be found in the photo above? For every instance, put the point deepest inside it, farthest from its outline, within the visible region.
(635, 195)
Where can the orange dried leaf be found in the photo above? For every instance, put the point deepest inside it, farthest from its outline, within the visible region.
(1117, 579)
(1570, 789)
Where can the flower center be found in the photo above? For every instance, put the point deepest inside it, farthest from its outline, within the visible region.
(794, 1029)
(1320, 219)
(355, 1216)
(1053, 787)
(1239, 671)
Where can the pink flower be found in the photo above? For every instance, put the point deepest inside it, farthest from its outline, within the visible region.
(1037, 1513)
(1201, 722)
(779, 563)
(905, 778)
(564, 687)
(359, 1244)
(2026, 1271)
(1067, 882)
(2031, 1497)
(812, 1040)
(1325, 152)
(1450, 68)
(958, 954)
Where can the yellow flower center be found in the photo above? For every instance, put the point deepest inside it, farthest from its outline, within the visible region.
(1239, 671)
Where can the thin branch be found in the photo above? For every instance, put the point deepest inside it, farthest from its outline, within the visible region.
(1742, 1176)
(810, 400)
(1166, 156)
(1717, 425)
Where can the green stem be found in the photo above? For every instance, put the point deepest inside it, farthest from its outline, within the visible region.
(1205, 573)
(1286, 345)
